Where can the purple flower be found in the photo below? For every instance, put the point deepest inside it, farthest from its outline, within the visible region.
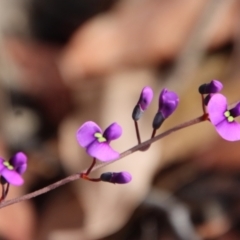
(113, 177)
(168, 102)
(12, 170)
(224, 119)
(213, 87)
(90, 136)
(143, 103)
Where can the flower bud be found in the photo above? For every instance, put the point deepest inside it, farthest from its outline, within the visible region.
(113, 177)
(235, 112)
(168, 102)
(158, 120)
(137, 113)
(213, 87)
(143, 103)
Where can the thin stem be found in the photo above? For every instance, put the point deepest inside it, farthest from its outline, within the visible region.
(137, 132)
(50, 187)
(6, 191)
(153, 133)
(148, 146)
(203, 105)
(91, 167)
(84, 176)
(3, 193)
(76, 176)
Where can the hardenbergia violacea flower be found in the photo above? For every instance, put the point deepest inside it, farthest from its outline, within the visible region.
(96, 142)
(167, 104)
(11, 171)
(210, 89)
(90, 136)
(224, 119)
(116, 177)
(144, 101)
(213, 87)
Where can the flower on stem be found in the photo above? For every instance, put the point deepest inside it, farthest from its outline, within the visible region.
(168, 102)
(12, 170)
(90, 136)
(143, 103)
(213, 87)
(224, 119)
(119, 177)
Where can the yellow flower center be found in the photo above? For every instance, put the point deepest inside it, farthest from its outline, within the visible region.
(228, 116)
(100, 137)
(8, 165)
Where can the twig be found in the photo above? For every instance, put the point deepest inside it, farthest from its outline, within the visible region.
(76, 176)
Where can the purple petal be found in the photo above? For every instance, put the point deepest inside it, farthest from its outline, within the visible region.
(85, 134)
(1, 165)
(145, 98)
(230, 131)
(19, 162)
(168, 102)
(121, 177)
(102, 151)
(235, 112)
(113, 177)
(12, 177)
(113, 132)
(217, 106)
(213, 87)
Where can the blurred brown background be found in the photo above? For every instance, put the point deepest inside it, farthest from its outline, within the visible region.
(65, 62)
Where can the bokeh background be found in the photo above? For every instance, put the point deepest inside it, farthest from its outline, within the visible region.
(65, 62)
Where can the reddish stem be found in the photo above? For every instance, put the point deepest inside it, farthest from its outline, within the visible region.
(153, 133)
(91, 167)
(137, 132)
(4, 191)
(84, 176)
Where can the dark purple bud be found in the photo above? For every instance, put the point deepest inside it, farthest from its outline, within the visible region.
(114, 131)
(158, 120)
(145, 98)
(213, 87)
(3, 180)
(168, 102)
(235, 112)
(106, 177)
(120, 177)
(207, 99)
(137, 113)
(143, 103)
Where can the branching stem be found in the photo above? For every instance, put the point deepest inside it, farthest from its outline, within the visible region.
(76, 176)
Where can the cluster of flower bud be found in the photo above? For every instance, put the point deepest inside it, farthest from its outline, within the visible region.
(167, 104)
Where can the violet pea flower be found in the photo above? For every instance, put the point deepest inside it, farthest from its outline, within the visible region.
(144, 101)
(119, 177)
(97, 144)
(224, 119)
(214, 86)
(168, 102)
(11, 171)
